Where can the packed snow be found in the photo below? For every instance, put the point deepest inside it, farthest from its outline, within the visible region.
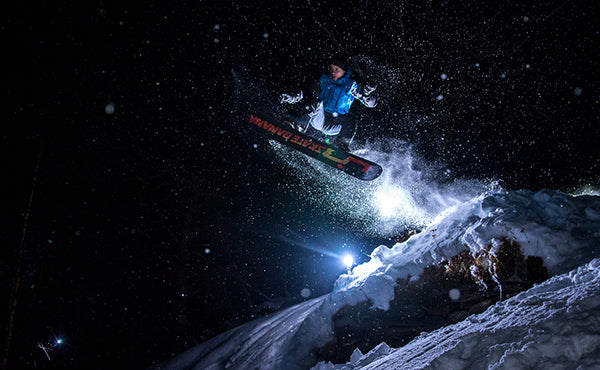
(555, 324)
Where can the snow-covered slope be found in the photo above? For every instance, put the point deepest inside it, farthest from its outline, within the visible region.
(563, 230)
(281, 340)
(555, 325)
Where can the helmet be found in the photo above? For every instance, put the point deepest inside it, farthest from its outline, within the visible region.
(341, 61)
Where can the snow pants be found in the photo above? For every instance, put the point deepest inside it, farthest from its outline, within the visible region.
(335, 128)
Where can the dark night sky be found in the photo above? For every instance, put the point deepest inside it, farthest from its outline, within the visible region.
(156, 227)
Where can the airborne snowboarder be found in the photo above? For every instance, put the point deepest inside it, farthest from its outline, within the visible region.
(332, 124)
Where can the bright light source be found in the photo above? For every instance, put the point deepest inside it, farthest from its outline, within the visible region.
(348, 260)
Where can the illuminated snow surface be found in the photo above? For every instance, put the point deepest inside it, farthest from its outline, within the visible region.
(555, 324)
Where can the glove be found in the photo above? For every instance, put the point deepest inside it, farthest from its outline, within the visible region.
(315, 109)
(368, 101)
(368, 90)
(289, 99)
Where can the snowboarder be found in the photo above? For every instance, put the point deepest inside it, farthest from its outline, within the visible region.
(330, 112)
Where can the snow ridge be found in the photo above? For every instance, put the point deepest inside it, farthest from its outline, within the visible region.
(281, 340)
(562, 229)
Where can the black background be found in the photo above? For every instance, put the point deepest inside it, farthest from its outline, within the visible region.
(153, 228)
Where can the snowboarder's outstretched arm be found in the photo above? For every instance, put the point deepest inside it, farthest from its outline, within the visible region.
(291, 99)
(364, 96)
(308, 94)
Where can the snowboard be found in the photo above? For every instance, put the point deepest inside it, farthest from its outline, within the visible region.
(283, 133)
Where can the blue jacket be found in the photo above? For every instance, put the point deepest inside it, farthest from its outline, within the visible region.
(337, 95)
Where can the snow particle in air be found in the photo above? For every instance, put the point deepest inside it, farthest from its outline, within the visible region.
(266, 35)
(305, 293)
(577, 91)
(443, 76)
(109, 108)
(207, 250)
(440, 97)
(217, 26)
(454, 294)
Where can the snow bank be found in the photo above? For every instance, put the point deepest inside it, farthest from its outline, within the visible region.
(562, 229)
(553, 325)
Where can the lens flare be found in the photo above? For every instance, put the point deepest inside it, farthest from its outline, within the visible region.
(348, 260)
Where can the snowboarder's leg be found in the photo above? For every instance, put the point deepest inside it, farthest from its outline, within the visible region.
(335, 129)
(348, 128)
(323, 126)
(319, 135)
(325, 122)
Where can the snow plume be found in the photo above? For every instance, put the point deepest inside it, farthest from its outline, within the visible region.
(412, 192)
(409, 194)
